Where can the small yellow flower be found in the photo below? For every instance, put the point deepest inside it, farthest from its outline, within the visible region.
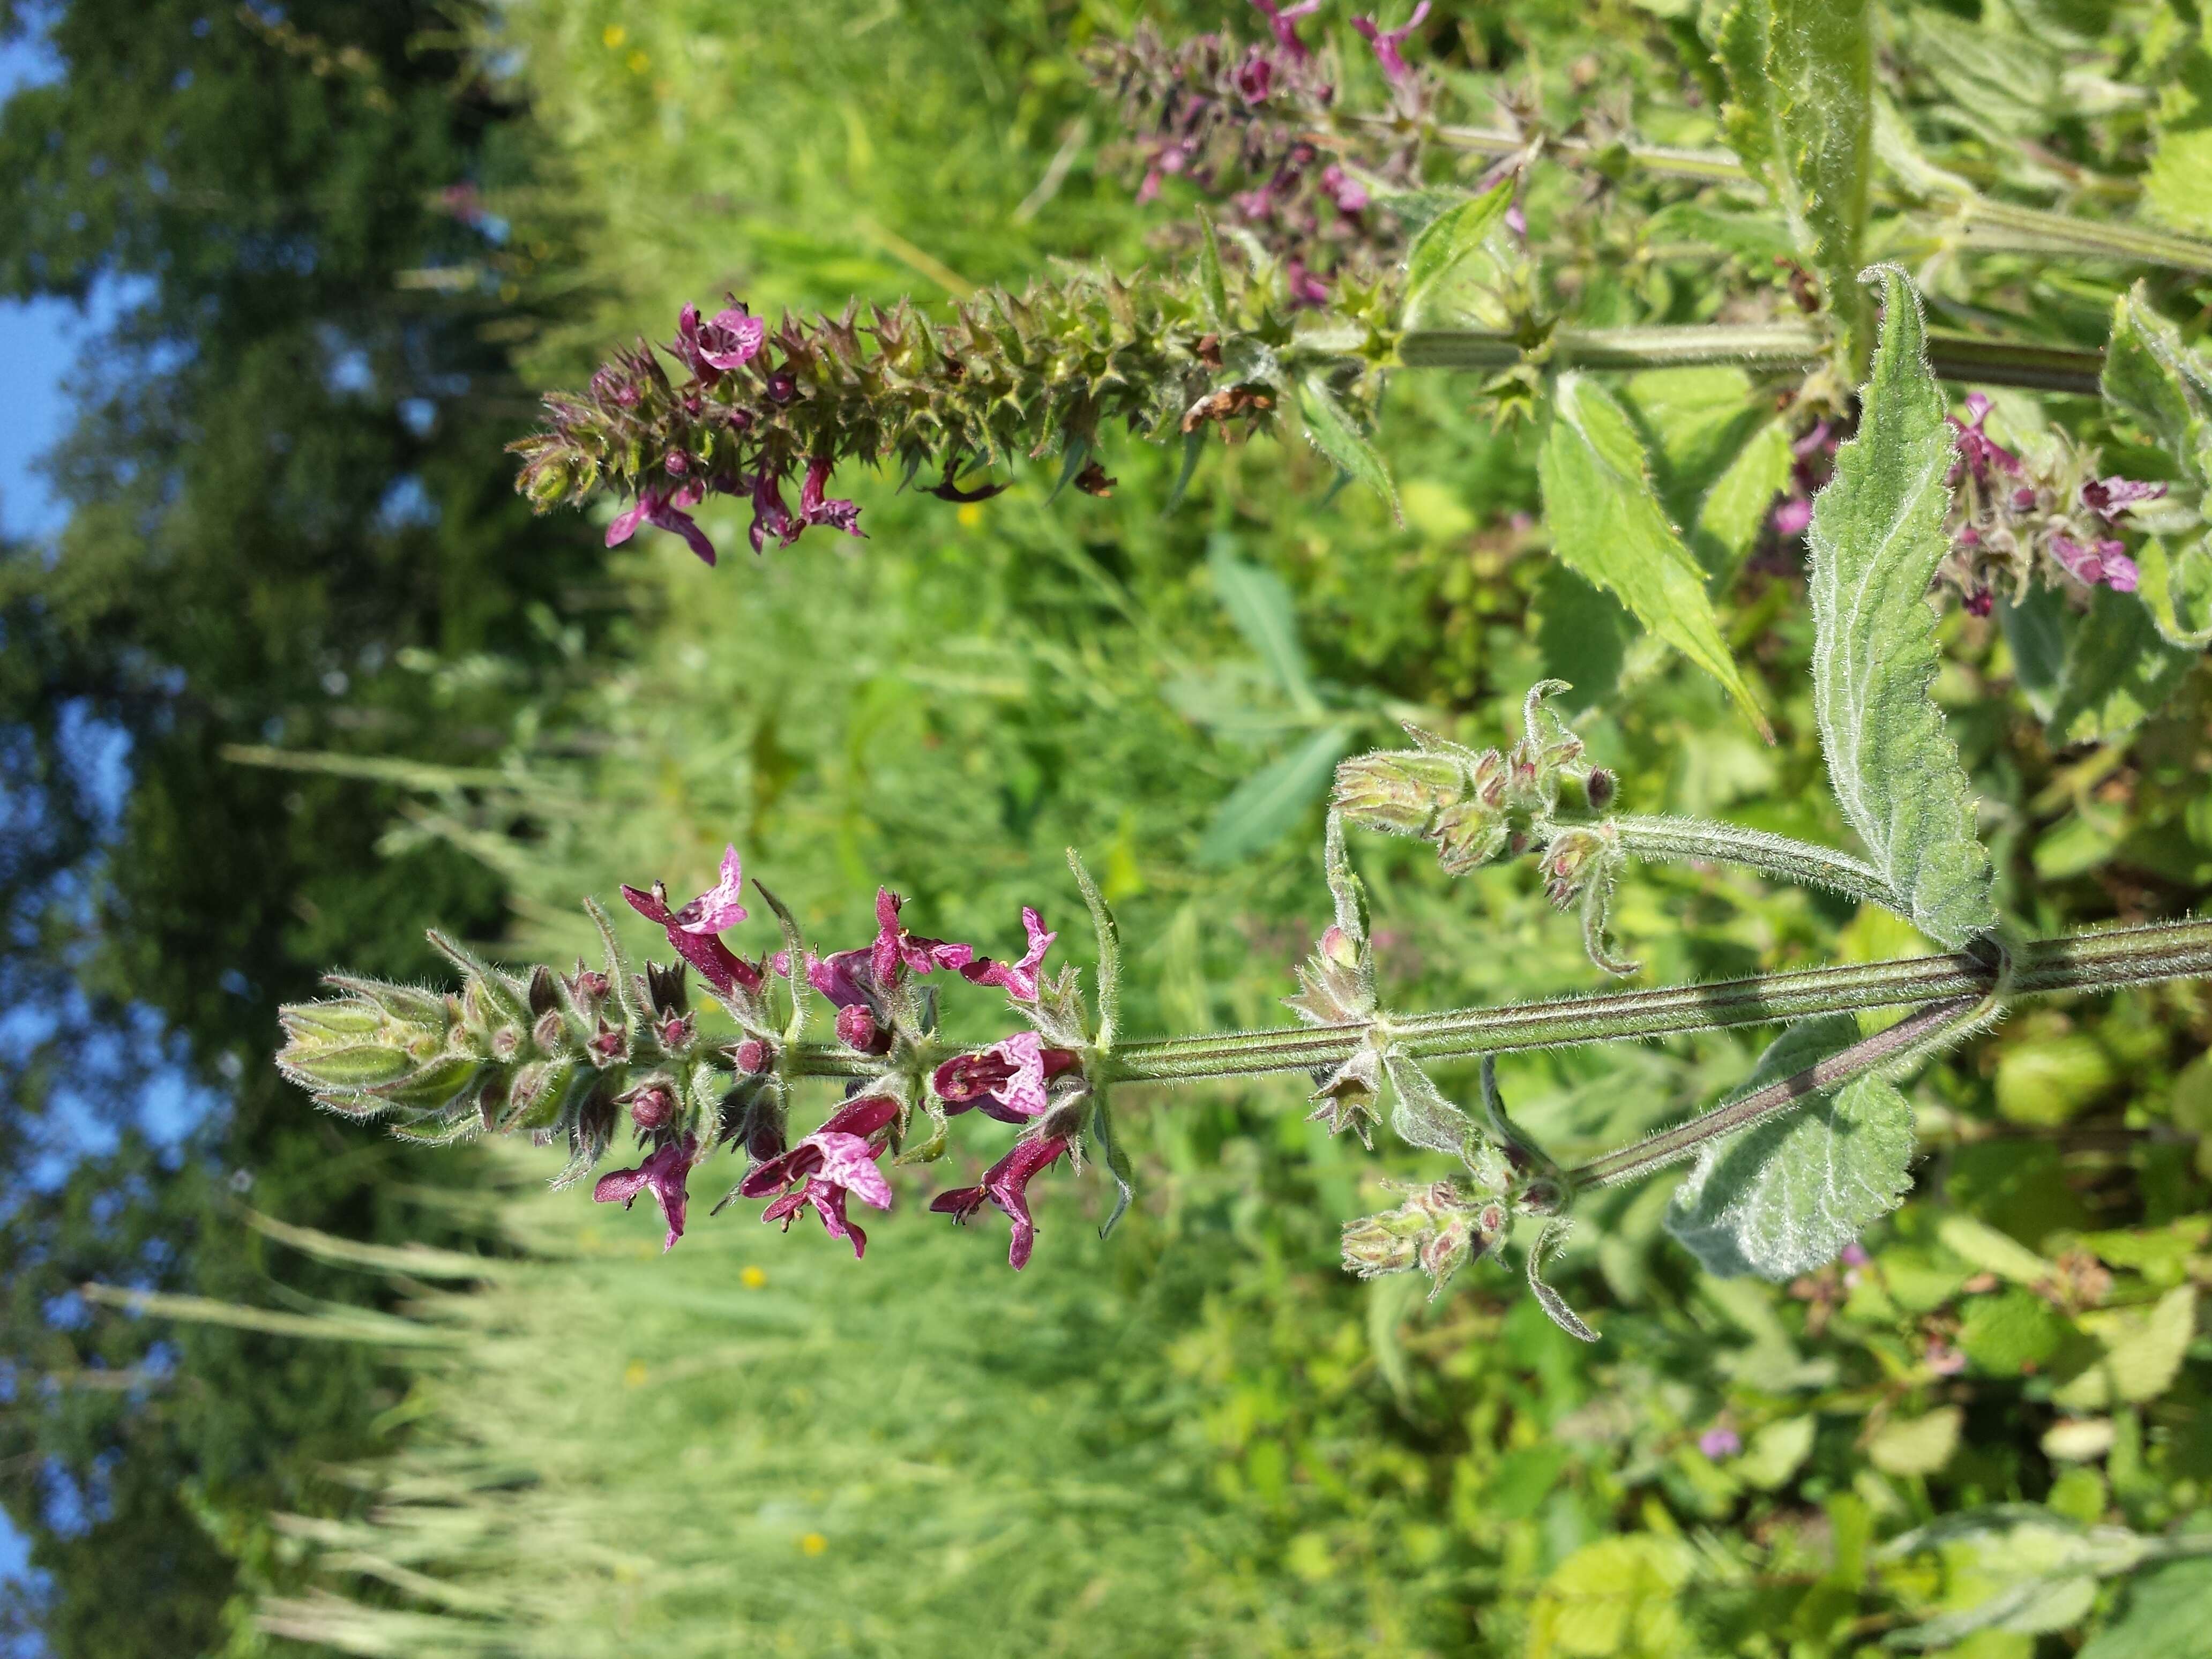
(814, 1543)
(638, 63)
(615, 35)
(751, 1277)
(969, 515)
(634, 1374)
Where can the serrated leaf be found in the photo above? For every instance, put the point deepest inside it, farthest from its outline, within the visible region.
(1734, 509)
(2179, 184)
(1332, 431)
(1453, 236)
(2119, 671)
(1784, 1197)
(1267, 805)
(1876, 538)
(1607, 524)
(1258, 604)
(1800, 115)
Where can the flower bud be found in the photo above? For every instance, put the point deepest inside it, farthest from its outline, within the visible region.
(1398, 791)
(652, 1107)
(548, 1031)
(752, 1055)
(1439, 1229)
(1576, 858)
(1468, 836)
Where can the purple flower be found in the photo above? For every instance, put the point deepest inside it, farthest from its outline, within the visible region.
(1978, 451)
(2106, 562)
(837, 1160)
(1283, 21)
(813, 509)
(692, 930)
(1255, 75)
(1306, 289)
(717, 910)
(662, 510)
(1007, 1079)
(1854, 1255)
(1005, 1184)
(1386, 42)
(2110, 497)
(895, 947)
(770, 516)
(1341, 188)
(1017, 979)
(666, 1173)
(1792, 515)
(847, 979)
(1720, 1441)
(728, 341)
(653, 1107)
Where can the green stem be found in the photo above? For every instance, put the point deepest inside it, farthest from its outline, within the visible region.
(1688, 839)
(1761, 347)
(1869, 1054)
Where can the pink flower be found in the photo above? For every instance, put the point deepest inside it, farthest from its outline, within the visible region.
(814, 510)
(1005, 1184)
(1017, 979)
(2107, 563)
(1720, 1441)
(1341, 188)
(1944, 1359)
(770, 516)
(1306, 290)
(1283, 21)
(717, 910)
(837, 1160)
(1255, 75)
(895, 947)
(1978, 451)
(664, 510)
(1854, 1255)
(1386, 42)
(729, 341)
(847, 980)
(1792, 516)
(692, 930)
(1007, 1079)
(664, 1173)
(2110, 497)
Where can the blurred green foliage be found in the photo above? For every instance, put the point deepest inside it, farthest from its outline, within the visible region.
(1204, 1437)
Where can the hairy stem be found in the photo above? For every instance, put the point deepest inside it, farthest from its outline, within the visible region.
(1656, 840)
(1760, 348)
(1868, 1054)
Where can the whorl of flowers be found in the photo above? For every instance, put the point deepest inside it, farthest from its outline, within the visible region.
(1007, 375)
(1239, 121)
(2019, 520)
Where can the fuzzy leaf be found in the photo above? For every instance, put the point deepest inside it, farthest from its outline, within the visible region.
(1452, 237)
(1784, 1196)
(2154, 380)
(1607, 524)
(1265, 807)
(2178, 185)
(1116, 1157)
(2119, 671)
(1800, 114)
(2163, 1617)
(2177, 589)
(1420, 1115)
(1876, 538)
(1258, 603)
(1736, 507)
(1333, 432)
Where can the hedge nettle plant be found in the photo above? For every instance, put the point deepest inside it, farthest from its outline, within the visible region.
(1338, 247)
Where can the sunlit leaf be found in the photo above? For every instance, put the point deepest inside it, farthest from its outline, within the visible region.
(1259, 604)
(1876, 538)
(1333, 432)
(1269, 803)
(1453, 236)
(1606, 523)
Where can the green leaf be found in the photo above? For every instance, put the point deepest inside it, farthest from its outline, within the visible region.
(1332, 431)
(1917, 1446)
(1452, 237)
(1259, 604)
(1582, 637)
(2035, 632)
(2176, 588)
(1800, 114)
(1116, 1157)
(1784, 1197)
(1606, 524)
(2178, 185)
(2154, 380)
(1210, 281)
(2142, 1353)
(2163, 1618)
(1267, 805)
(1734, 509)
(1876, 538)
(2119, 671)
